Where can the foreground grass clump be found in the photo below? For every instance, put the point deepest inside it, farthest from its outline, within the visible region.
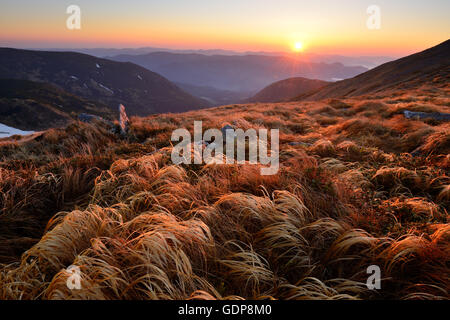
(348, 195)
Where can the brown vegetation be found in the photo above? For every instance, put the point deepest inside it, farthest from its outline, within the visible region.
(347, 196)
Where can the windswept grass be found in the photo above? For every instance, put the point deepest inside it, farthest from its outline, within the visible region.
(349, 194)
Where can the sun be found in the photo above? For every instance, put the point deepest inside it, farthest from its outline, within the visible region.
(298, 46)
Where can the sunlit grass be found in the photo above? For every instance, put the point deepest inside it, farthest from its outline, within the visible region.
(348, 195)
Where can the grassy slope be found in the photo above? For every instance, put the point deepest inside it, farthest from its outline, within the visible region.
(429, 66)
(29, 105)
(140, 228)
(287, 89)
(108, 82)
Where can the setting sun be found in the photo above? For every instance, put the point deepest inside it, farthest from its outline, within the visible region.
(298, 46)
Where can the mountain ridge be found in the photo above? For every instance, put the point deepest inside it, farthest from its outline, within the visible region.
(237, 73)
(287, 89)
(29, 105)
(109, 82)
(428, 66)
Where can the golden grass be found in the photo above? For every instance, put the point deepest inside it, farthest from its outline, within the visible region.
(348, 195)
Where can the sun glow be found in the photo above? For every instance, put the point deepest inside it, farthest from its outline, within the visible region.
(298, 46)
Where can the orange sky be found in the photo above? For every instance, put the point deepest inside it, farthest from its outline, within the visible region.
(328, 27)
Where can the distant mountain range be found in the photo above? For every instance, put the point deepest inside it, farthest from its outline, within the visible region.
(108, 82)
(215, 77)
(365, 61)
(287, 89)
(108, 52)
(429, 66)
(216, 97)
(247, 73)
(40, 89)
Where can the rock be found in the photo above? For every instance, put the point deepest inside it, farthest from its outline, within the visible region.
(88, 118)
(224, 131)
(225, 128)
(333, 165)
(124, 122)
(425, 115)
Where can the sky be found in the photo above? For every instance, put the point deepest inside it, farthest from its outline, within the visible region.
(324, 27)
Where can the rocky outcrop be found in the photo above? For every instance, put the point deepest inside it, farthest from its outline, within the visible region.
(124, 122)
(88, 118)
(425, 115)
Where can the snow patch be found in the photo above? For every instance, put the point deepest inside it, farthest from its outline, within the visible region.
(106, 88)
(6, 131)
(73, 77)
(97, 65)
(139, 77)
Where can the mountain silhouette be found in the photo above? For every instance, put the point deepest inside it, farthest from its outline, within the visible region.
(429, 66)
(109, 82)
(243, 73)
(30, 105)
(286, 89)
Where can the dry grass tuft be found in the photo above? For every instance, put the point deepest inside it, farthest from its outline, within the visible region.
(348, 195)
